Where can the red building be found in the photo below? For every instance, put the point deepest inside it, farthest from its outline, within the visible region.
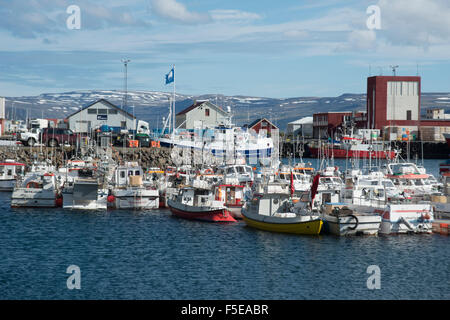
(393, 104)
(326, 124)
(263, 124)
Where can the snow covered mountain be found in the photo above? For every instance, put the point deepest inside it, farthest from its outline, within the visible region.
(153, 106)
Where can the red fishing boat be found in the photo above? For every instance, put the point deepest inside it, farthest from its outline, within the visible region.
(199, 204)
(350, 147)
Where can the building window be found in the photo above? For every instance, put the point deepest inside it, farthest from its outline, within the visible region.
(102, 111)
(206, 112)
(112, 111)
(408, 114)
(123, 124)
(92, 111)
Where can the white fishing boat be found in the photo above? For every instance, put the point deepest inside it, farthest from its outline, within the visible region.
(301, 181)
(410, 179)
(9, 171)
(407, 218)
(128, 190)
(224, 143)
(340, 220)
(241, 172)
(37, 190)
(85, 191)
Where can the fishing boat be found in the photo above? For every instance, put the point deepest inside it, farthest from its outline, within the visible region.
(199, 204)
(128, 190)
(410, 179)
(9, 171)
(224, 143)
(85, 191)
(340, 220)
(400, 218)
(277, 212)
(232, 197)
(157, 178)
(243, 173)
(352, 147)
(301, 181)
(37, 190)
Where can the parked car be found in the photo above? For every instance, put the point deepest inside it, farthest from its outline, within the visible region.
(30, 138)
(54, 137)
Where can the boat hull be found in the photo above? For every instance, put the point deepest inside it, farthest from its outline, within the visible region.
(311, 227)
(201, 214)
(136, 199)
(235, 210)
(69, 202)
(344, 153)
(355, 224)
(7, 185)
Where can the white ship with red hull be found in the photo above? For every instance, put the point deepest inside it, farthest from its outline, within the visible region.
(351, 147)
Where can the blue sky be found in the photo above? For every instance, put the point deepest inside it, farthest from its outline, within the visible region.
(255, 47)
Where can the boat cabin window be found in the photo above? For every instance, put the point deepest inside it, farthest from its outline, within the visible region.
(337, 180)
(380, 193)
(326, 197)
(388, 184)
(136, 173)
(19, 170)
(122, 174)
(9, 173)
(230, 171)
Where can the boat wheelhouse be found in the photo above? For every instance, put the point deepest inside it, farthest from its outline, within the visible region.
(9, 171)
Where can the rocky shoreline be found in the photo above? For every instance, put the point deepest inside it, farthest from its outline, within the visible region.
(146, 157)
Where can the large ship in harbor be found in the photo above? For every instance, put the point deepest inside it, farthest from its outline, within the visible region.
(227, 143)
(353, 146)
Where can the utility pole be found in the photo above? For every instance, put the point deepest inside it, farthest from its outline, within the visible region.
(125, 64)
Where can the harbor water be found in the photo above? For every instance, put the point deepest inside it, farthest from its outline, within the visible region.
(152, 255)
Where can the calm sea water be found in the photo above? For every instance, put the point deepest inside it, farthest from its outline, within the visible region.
(152, 255)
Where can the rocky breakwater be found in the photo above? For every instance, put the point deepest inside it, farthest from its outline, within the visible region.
(146, 157)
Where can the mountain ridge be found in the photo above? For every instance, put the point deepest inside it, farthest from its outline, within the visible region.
(152, 106)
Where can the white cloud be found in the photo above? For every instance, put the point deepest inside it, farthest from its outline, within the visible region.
(416, 22)
(359, 40)
(178, 12)
(296, 34)
(234, 15)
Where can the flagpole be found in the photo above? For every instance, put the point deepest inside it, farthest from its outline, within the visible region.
(173, 113)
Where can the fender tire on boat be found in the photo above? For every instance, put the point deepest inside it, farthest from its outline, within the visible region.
(356, 224)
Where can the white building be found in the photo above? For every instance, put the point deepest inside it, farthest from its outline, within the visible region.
(101, 112)
(302, 127)
(437, 114)
(201, 114)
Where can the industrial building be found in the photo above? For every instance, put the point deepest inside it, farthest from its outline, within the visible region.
(328, 124)
(201, 114)
(101, 112)
(302, 127)
(393, 105)
(394, 108)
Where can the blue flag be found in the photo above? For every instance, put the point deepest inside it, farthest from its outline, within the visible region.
(170, 76)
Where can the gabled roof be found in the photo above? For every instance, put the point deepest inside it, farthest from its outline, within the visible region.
(197, 104)
(304, 120)
(254, 123)
(105, 102)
